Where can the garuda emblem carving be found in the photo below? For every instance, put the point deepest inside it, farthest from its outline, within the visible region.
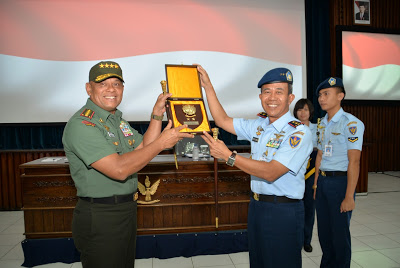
(148, 190)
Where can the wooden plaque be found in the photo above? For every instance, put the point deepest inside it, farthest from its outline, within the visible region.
(186, 105)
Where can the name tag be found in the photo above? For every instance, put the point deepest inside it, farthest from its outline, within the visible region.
(328, 150)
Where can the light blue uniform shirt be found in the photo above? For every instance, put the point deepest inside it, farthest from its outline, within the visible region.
(343, 132)
(313, 128)
(293, 152)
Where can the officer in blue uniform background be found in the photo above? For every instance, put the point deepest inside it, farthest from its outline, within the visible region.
(280, 146)
(337, 168)
(304, 111)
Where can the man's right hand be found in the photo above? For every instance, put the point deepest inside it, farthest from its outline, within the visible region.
(170, 136)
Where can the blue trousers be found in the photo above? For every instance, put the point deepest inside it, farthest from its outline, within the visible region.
(309, 210)
(275, 233)
(333, 226)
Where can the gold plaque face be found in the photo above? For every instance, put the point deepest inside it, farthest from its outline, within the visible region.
(191, 113)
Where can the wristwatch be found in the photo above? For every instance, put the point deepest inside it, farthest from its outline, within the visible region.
(231, 159)
(157, 117)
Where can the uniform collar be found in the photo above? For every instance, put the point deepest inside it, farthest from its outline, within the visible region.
(282, 121)
(335, 118)
(101, 112)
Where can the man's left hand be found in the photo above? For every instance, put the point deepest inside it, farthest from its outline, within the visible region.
(347, 205)
(218, 148)
(159, 108)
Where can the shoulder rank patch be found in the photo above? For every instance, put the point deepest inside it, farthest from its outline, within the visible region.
(353, 130)
(353, 139)
(262, 115)
(352, 122)
(294, 141)
(88, 123)
(87, 113)
(295, 123)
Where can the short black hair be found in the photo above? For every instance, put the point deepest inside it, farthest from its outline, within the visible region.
(300, 105)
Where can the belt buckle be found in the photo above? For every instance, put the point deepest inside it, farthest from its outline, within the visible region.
(256, 197)
(135, 196)
(323, 173)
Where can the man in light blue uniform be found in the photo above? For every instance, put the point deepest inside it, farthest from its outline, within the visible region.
(337, 169)
(280, 146)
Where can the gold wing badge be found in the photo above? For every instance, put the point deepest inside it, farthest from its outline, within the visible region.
(148, 191)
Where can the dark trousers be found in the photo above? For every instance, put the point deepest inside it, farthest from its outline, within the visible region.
(333, 226)
(309, 210)
(105, 235)
(275, 233)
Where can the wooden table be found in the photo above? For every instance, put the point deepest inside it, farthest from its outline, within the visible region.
(184, 200)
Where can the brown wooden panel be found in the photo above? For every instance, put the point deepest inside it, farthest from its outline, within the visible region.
(187, 219)
(48, 223)
(177, 217)
(10, 180)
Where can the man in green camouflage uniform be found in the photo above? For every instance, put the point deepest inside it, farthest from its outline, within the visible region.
(105, 153)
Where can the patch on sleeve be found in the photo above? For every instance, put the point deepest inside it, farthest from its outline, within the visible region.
(353, 130)
(294, 141)
(295, 123)
(353, 139)
(262, 115)
(88, 123)
(87, 113)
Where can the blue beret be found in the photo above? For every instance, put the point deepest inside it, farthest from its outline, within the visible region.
(277, 75)
(331, 82)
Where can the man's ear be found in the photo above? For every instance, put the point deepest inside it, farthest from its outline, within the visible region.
(291, 98)
(341, 96)
(88, 88)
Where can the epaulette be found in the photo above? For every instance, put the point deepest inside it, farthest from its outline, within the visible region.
(87, 113)
(262, 115)
(295, 123)
(88, 123)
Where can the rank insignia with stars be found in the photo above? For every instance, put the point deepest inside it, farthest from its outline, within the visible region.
(294, 123)
(294, 141)
(353, 130)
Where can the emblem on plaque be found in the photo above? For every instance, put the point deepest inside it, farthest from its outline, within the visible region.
(189, 110)
(148, 190)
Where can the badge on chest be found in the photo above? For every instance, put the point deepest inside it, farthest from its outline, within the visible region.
(276, 141)
(125, 129)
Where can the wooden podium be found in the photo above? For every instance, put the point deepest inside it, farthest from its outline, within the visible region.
(184, 200)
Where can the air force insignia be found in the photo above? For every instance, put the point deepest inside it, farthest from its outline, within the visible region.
(289, 76)
(332, 81)
(353, 139)
(353, 130)
(294, 141)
